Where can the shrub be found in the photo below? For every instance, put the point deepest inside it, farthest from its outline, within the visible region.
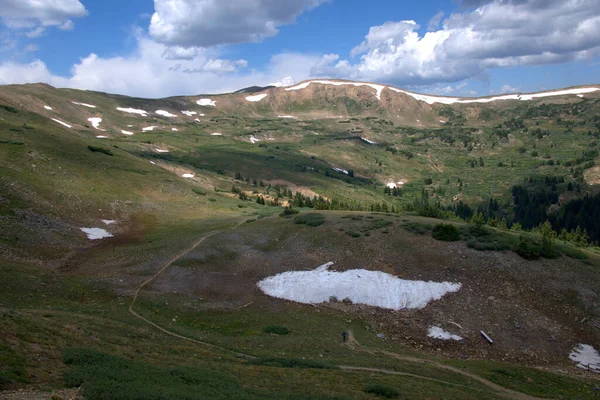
(95, 149)
(389, 392)
(446, 233)
(9, 109)
(353, 234)
(291, 363)
(528, 249)
(288, 212)
(311, 219)
(278, 330)
(417, 228)
(198, 191)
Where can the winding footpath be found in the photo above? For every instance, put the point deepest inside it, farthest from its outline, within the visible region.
(163, 269)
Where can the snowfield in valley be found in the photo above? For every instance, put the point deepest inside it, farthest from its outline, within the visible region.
(586, 357)
(373, 288)
(96, 233)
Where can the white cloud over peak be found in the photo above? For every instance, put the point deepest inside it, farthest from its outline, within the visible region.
(146, 73)
(500, 33)
(206, 23)
(31, 13)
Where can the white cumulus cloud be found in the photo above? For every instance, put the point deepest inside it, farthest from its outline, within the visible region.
(499, 33)
(146, 73)
(29, 13)
(206, 23)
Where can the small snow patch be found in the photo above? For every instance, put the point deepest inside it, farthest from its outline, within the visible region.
(174, 129)
(216, 134)
(256, 98)
(438, 333)
(253, 139)
(197, 120)
(162, 151)
(62, 123)
(126, 132)
(133, 111)
(206, 103)
(101, 137)
(83, 104)
(189, 113)
(586, 357)
(152, 162)
(149, 128)
(580, 95)
(373, 288)
(165, 114)
(108, 221)
(48, 107)
(96, 123)
(368, 141)
(391, 185)
(287, 116)
(96, 233)
(343, 171)
(187, 176)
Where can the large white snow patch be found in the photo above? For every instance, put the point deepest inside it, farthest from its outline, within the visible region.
(83, 104)
(206, 102)
(256, 98)
(586, 357)
(96, 233)
(438, 333)
(62, 123)
(372, 288)
(133, 111)
(378, 88)
(165, 114)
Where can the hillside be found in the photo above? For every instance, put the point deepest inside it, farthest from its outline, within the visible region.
(134, 234)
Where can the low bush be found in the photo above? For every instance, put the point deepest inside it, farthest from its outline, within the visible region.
(288, 212)
(95, 149)
(389, 392)
(199, 191)
(417, 228)
(278, 330)
(445, 233)
(353, 234)
(311, 219)
(292, 363)
(9, 109)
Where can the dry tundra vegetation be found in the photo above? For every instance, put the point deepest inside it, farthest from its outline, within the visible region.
(500, 197)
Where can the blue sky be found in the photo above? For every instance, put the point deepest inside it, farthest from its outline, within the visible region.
(174, 47)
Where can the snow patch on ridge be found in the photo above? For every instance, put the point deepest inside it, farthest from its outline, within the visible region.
(96, 123)
(62, 123)
(133, 111)
(373, 288)
(48, 108)
(189, 113)
(165, 114)
(524, 97)
(287, 116)
(83, 104)
(206, 103)
(368, 141)
(126, 133)
(378, 88)
(149, 128)
(256, 98)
